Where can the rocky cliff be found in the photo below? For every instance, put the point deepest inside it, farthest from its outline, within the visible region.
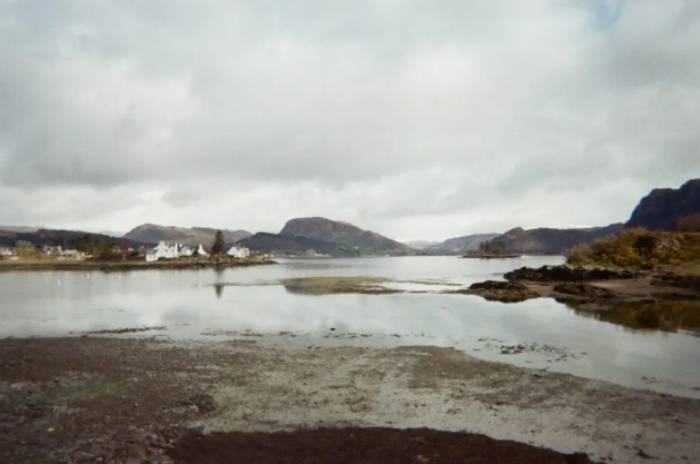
(667, 209)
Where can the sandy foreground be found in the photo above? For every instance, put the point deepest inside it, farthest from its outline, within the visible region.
(105, 399)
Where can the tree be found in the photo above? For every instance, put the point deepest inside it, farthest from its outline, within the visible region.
(26, 249)
(218, 246)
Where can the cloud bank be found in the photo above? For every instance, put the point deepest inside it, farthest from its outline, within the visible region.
(417, 120)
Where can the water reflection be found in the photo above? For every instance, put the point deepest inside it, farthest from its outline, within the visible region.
(61, 303)
(219, 289)
(667, 316)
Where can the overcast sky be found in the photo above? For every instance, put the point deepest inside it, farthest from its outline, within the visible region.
(416, 119)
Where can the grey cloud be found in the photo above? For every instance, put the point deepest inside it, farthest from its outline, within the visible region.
(465, 116)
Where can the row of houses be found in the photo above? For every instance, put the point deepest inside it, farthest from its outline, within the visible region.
(173, 250)
(59, 251)
(164, 250)
(47, 250)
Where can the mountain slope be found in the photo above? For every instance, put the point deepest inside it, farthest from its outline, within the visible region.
(420, 244)
(65, 238)
(281, 245)
(666, 209)
(20, 229)
(349, 238)
(546, 241)
(458, 245)
(153, 233)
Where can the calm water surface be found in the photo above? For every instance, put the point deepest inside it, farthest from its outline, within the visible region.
(211, 305)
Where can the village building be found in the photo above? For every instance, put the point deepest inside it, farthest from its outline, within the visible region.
(72, 254)
(49, 250)
(164, 250)
(239, 251)
(5, 252)
(173, 250)
(201, 251)
(185, 251)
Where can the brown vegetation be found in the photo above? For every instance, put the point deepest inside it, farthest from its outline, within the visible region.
(639, 248)
(690, 223)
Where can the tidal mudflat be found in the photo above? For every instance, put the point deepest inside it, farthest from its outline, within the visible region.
(80, 399)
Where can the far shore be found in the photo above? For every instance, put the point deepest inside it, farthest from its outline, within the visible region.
(127, 265)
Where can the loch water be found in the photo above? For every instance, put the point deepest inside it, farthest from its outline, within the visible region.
(211, 305)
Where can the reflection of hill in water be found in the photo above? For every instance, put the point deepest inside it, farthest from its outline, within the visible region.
(667, 316)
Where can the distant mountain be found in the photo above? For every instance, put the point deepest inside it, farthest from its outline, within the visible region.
(458, 245)
(546, 241)
(22, 229)
(113, 233)
(66, 238)
(153, 233)
(350, 239)
(282, 245)
(668, 209)
(419, 244)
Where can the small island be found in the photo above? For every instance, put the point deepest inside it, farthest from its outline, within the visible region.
(489, 250)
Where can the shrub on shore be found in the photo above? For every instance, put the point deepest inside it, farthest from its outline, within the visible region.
(639, 248)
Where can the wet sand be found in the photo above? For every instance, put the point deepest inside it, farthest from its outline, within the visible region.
(84, 398)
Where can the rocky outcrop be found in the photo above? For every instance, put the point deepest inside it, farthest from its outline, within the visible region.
(566, 274)
(582, 290)
(690, 282)
(506, 292)
(667, 209)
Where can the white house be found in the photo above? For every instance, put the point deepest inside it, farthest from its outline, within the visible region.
(72, 254)
(165, 250)
(239, 251)
(201, 251)
(49, 250)
(4, 251)
(185, 251)
(172, 250)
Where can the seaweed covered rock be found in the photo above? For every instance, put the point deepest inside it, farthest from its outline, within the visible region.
(506, 292)
(583, 290)
(566, 274)
(691, 282)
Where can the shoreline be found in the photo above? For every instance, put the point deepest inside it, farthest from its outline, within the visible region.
(64, 398)
(108, 266)
(663, 300)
